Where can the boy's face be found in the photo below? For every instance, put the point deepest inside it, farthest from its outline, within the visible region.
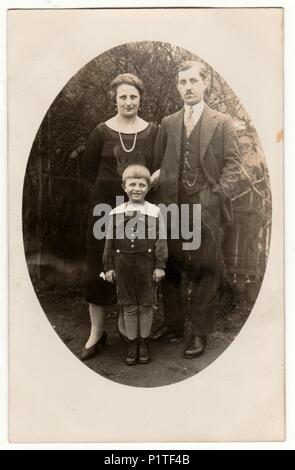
(136, 189)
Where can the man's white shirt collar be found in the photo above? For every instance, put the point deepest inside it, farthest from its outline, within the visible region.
(197, 110)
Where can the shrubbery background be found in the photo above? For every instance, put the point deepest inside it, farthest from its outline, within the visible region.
(55, 197)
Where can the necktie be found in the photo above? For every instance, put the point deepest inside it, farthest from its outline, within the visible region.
(188, 121)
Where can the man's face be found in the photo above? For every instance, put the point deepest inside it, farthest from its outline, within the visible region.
(191, 86)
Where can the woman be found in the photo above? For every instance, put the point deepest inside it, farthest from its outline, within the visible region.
(113, 145)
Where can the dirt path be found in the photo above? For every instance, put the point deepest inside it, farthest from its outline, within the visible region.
(68, 314)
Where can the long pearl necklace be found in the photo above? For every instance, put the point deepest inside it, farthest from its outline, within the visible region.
(123, 146)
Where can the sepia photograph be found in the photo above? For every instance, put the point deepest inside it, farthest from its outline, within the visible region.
(129, 106)
(147, 232)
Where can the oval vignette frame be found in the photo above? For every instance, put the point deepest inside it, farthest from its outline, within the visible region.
(54, 193)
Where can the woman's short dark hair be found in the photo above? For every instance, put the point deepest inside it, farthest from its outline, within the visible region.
(125, 79)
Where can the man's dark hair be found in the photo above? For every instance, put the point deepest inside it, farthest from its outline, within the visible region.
(189, 64)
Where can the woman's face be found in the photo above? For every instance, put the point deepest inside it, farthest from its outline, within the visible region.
(127, 99)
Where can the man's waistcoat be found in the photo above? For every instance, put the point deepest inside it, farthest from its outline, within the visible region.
(191, 175)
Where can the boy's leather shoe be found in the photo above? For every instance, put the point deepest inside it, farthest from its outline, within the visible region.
(144, 354)
(132, 355)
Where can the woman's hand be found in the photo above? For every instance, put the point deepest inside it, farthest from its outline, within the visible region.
(111, 276)
(154, 178)
(158, 275)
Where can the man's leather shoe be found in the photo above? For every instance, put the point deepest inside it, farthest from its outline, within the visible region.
(87, 353)
(164, 332)
(195, 347)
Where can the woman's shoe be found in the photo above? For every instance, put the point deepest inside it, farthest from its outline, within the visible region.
(123, 338)
(87, 353)
(132, 355)
(144, 353)
(165, 332)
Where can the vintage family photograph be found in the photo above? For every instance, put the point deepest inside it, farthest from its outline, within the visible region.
(147, 206)
(152, 123)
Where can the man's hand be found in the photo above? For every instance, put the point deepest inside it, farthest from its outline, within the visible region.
(111, 276)
(154, 178)
(158, 274)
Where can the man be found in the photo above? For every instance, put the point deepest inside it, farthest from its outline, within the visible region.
(197, 154)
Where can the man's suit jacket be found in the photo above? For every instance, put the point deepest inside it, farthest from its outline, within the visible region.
(219, 157)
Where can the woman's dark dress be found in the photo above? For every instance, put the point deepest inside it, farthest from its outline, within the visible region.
(103, 164)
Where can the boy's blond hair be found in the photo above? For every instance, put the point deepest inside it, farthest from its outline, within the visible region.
(136, 171)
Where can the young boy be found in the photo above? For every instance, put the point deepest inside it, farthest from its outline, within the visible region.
(135, 257)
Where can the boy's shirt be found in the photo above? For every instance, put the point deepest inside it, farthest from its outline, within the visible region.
(136, 228)
(147, 209)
